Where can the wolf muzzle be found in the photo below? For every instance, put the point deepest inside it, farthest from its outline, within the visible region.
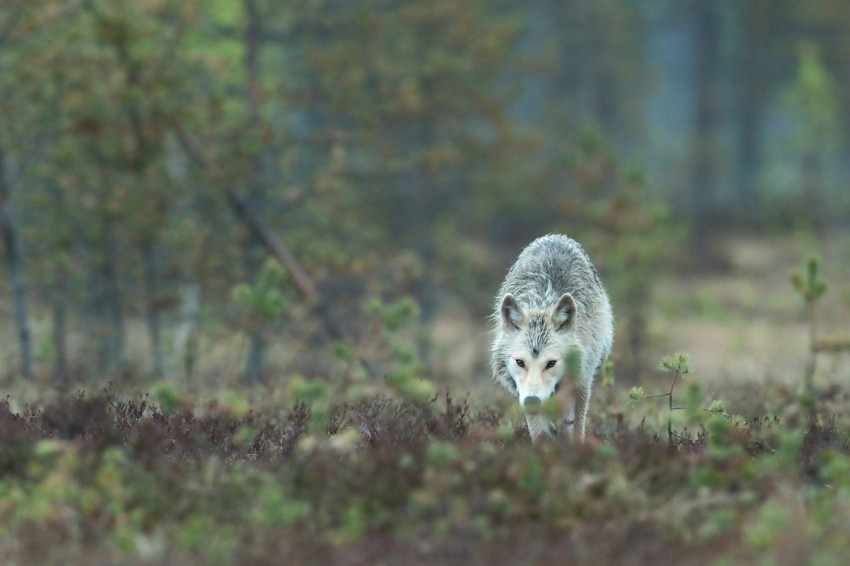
(532, 404)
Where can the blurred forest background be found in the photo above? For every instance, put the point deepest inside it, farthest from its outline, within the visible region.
(392, 157)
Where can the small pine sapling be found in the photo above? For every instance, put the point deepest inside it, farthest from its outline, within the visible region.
(388, 340)
(262, 304)
(679, 366)
(264, 301)
(811, 288)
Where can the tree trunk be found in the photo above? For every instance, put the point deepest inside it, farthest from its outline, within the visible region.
(812, 167)
(187, 335)
(16, 271)
(151, 279)
(702, 202)
(115, 339)
(256, 179)
(255, 357)
(256, 343)
(59, 289)
(60, 331)
(750, 90)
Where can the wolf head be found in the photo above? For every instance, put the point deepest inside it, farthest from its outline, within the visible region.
(536, 342)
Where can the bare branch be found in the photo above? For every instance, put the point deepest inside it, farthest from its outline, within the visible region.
(302, 281)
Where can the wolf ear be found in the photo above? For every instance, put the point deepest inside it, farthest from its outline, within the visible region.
(565, 313)
(511, 313)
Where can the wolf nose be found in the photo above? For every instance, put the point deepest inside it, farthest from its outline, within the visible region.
(531, 403)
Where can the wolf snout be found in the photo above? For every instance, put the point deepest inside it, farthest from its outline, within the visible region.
(532, 404)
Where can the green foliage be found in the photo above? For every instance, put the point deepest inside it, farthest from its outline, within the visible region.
(531, 479)
(397, 314)
(693, 401)
(408, 385)
(808, 283)
(572, 361)
(332, 155)
(771, 524)
(719, 420)
(344, 352)
(264, 299)
(400, 355)
(811, 288)
(811, 193)
(812, 97)
(787, 453)
(677, 363)
(835, 471)
(552, 409)
(277, 509)
(636, 394)
(167, 396)
(441, 454)
(355, 522)
(506, 431)
(607, 374)
(309, 390)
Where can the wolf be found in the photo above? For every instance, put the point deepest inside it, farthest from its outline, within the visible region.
(551, 303)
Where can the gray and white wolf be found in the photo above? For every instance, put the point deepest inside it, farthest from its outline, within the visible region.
(551, 303)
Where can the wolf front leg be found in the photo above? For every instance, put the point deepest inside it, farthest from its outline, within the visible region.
(581, 406)
(568, 423)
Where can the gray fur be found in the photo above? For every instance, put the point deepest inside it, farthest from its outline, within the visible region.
(551, 301)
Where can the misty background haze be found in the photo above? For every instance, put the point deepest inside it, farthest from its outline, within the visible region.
(396, 154)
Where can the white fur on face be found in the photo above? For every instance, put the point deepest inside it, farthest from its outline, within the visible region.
(537, 340)
(536, 379)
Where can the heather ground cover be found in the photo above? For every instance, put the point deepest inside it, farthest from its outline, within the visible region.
(397, 480)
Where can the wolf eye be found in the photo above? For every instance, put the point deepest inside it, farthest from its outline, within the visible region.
(520, 363)
(550, 364)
